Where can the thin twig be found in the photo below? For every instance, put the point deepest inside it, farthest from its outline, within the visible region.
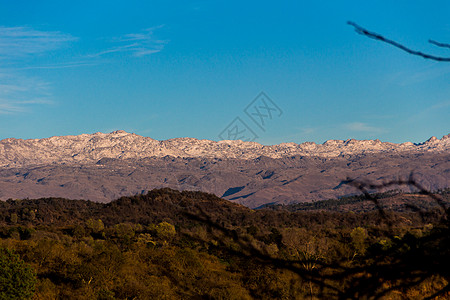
(381, 38)
(439, 44)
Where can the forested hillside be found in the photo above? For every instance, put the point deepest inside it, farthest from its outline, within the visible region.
(191, 245)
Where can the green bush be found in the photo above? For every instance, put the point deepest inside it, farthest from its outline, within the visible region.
(165, 231)
(17, 279)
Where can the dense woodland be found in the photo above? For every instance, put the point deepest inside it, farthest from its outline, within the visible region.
(191, 245)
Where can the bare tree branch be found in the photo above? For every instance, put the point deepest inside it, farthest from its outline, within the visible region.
(376, 36)
(439, 44)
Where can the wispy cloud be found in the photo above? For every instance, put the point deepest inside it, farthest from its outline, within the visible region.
(308, 130)
(137, 44)
(9, 108)
(61, 66)
(430, 112)
(17, 42)
(362, 127)
(440, 105)
(18, 90)
(429, 73)
(19, 93)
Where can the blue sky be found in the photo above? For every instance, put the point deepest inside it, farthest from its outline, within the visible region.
(169, 69)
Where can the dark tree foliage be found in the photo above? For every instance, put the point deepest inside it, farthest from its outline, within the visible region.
(179, 245)
(17, 279)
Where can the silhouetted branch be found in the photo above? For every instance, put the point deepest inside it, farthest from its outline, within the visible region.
(439, 44)
(363, 186)
(378, 37)
(409, 262)
(249, 252)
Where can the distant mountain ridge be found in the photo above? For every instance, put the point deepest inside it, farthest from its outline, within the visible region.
(103, 167)
(90, 148)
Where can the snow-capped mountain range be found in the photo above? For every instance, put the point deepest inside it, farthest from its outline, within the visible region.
(90, 148)
(103, 167)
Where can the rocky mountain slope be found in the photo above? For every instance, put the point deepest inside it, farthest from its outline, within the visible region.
(103, 167)
(89, 148)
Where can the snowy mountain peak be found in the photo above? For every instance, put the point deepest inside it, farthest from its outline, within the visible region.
(90, 148)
